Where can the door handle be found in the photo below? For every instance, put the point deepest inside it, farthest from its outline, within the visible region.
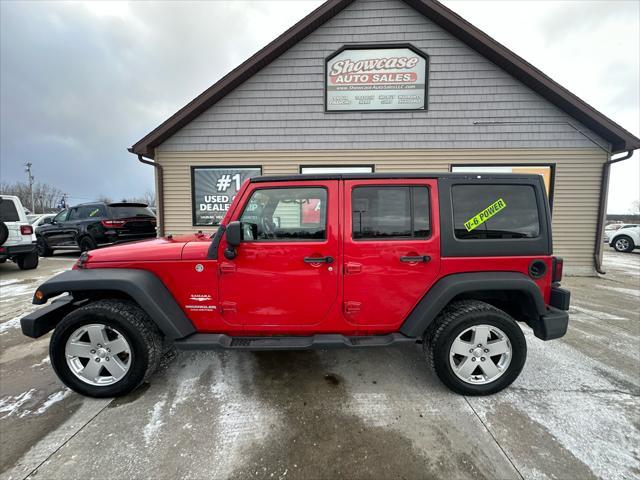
(415, 258)
(318, 259)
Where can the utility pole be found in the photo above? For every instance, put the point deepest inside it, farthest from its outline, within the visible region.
(30, 179)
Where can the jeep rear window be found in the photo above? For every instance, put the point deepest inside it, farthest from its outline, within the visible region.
(127, 212)
(390, 212)
(495, 211)
(298, 213)
(8, 212)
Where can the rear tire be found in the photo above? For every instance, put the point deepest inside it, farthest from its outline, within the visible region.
(623, 244)
(27, 261)
(43, 247)
(119, 320)
(485, 364)
(87, 243)
(4, 233)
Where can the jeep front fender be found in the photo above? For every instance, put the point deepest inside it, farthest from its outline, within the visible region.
(449, 287)
(142, 286)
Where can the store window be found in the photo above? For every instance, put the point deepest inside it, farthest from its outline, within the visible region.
(311, 169)
(495, 211)
(390, 212)
(286, 214)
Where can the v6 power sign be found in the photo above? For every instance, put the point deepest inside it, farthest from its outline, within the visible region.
(213, 190)
(376, 79)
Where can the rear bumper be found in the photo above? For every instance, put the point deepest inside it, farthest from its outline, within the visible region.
(554, 323)
(12, 250)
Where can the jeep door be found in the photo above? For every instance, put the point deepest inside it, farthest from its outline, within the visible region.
(391, 249)
(285, 276)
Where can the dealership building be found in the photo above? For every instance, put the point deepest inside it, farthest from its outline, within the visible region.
(387, 86)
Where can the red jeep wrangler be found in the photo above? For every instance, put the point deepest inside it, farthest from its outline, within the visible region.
(452, 261)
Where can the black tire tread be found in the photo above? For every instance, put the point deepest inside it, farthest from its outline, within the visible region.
(28, 261)
(132, 314)
(450, 314)
(632, 244)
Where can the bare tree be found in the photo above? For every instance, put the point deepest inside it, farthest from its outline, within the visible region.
(46, 197)
(635, 206)
(149, 198)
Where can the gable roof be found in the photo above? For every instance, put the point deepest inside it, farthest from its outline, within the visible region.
(497, 53)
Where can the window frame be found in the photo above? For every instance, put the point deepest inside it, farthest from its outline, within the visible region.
(411, 238)
(284, 240)
(453, 212)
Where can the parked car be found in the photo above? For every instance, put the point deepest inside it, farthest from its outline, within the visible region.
(16, 243)
(93, 225)
(37, 220)
(613, 228)
(626, 239)
(447, 260)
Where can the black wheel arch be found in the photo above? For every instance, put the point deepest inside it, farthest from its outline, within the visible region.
(512, 292)
(141, 286)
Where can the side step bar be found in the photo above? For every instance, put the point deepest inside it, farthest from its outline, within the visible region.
(218, 341)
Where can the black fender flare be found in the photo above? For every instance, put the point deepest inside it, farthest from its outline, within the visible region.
(144, 287)
(447, 288)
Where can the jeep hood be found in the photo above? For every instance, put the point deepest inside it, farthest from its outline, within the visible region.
(157, 249)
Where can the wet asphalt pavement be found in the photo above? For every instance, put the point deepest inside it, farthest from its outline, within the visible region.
(574, 413)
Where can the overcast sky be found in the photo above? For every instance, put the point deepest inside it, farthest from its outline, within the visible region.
(82, 81)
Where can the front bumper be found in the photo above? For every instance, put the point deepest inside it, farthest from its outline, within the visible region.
(13, 250)
(45, 319)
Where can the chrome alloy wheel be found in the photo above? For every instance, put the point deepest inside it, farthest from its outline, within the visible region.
(480, 354)
(622, 244)
(98, 355)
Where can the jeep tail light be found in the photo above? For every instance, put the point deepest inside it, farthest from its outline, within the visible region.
(26, 230)
(113, 223)
(557, 269)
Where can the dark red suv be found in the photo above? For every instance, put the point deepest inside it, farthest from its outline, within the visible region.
(452, 261)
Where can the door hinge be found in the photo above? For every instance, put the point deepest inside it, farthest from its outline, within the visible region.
(352, 307)
(228, 307)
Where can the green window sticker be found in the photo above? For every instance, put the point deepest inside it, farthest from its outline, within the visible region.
(485, 215)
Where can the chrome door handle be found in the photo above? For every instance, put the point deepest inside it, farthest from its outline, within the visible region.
(318, 259)
(415, 258)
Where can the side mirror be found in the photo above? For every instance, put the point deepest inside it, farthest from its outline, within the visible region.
(47, 221)
(234, 234)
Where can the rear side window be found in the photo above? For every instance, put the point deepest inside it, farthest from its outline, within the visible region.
(8, 211)
(495, 211)
(286, 214)
(390, 212)
(126, 212)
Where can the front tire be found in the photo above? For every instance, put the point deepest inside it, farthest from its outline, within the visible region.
(106, 348)
(623, 244)
(28, 261)
(475, 348)
(43, 247)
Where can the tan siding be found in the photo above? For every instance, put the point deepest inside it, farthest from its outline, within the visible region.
(576, 191)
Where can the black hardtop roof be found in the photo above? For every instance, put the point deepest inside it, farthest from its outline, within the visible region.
(392, 176)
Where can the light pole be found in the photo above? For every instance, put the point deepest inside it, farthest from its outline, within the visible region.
(30, 179)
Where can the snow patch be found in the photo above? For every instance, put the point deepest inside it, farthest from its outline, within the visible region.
(624, 291)
(45, 361)
(594, 313)
(373, 408)
(10, 324)
(12, 404)
(155, 423)
(53, 398)
(8, 281)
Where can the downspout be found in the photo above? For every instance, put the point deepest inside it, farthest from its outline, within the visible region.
(160, 190)
(604, 192)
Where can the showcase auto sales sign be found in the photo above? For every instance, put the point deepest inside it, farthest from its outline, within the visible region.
(376, 79)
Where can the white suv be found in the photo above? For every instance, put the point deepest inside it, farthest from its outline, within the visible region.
(626, 239)
(16, 242)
